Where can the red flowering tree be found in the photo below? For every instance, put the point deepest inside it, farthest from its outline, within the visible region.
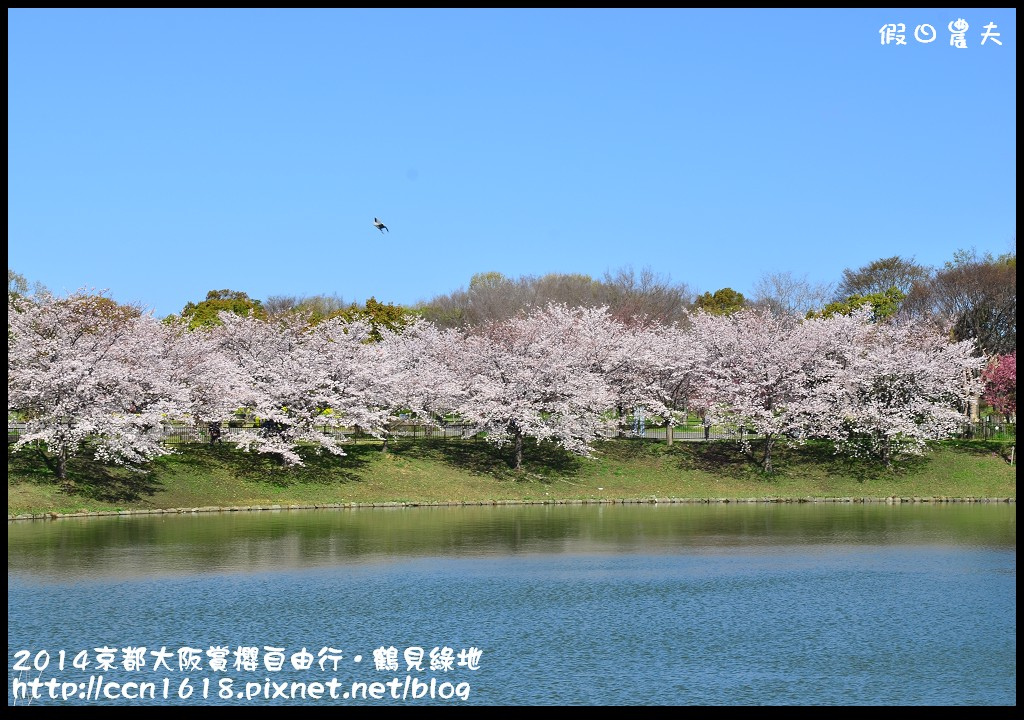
(1000, 378)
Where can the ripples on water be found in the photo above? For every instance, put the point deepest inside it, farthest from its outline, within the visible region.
(606, 605)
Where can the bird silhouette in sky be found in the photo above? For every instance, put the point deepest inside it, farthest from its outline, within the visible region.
(379, 225)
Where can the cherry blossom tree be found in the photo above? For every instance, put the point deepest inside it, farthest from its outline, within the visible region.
(414, 373)
(353, 386)
(675, 370)
(901, 385)
(755, 377)
(531, 376)
(86, 372)
(89, 374)
(1000, 378)
(214, 386)
(301, 382)
(874, 389)
(623, 350)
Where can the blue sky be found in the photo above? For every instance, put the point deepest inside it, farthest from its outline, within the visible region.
(159, 154)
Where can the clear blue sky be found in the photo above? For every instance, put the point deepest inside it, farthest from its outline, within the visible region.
(159, 154)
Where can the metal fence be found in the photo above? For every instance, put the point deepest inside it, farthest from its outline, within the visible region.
(990, 430)
(201, 434)
(462, 431)
(690, 434)
(987, 430)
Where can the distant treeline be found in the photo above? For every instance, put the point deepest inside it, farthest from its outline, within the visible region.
(973, 294)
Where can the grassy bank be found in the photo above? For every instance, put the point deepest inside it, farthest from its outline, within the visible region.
(425, 471)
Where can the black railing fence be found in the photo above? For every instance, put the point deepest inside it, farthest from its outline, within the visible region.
(985, 430)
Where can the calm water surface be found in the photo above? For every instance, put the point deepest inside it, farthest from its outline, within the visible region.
(812, 604)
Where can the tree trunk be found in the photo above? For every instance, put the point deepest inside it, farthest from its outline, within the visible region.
(61, 470)
(518, 460)
(766, 461)
(973, 401)
(58, 465)
(887, 452)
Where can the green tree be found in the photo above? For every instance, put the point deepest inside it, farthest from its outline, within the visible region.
(18, 287)
(883, 305)
(722, 302)
(205, 313)
(380, 315)
(487, 281)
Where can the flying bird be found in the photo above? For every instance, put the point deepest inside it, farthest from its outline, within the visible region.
(379, 225)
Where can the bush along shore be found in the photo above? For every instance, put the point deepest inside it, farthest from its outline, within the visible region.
(204, 478)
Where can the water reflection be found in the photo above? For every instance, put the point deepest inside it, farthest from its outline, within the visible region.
(154, 545)
(570, 605)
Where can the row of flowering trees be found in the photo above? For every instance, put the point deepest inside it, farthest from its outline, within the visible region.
(85, 372)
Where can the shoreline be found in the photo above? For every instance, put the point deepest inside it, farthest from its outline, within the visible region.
(892, 500)
(446, 474)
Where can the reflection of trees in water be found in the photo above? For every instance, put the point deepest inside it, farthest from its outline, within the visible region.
(281, 540)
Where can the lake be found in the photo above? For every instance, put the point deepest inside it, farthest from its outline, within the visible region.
(670, 604)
